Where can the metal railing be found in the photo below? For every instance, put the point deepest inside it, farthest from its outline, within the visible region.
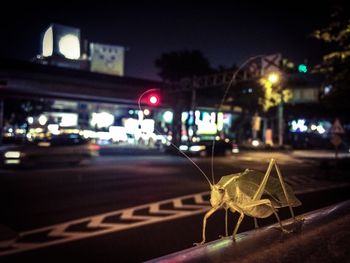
(318, 236)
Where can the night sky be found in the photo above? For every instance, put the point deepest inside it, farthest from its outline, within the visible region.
(227, 32)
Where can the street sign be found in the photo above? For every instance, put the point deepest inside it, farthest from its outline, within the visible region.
(337, 128)
(336, 140)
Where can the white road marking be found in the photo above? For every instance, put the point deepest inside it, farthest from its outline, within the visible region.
(65, 235)
(96, 225)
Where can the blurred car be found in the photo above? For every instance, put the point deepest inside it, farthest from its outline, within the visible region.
(202, 146)
(59, 149)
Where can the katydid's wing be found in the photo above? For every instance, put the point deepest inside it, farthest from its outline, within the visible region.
(250, 181)
(226, 178)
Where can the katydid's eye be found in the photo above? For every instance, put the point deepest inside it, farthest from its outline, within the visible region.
(221, 191)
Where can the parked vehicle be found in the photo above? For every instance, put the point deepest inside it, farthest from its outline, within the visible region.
(203, 145)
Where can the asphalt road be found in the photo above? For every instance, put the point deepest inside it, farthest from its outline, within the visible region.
(134, 208)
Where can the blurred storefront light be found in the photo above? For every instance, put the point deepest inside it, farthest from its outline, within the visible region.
(299, 126)
(184, 116)
(255, 143)
(320, 129)
(53, 128)
(102, 119)
(220, 124)
(168, 116)
(42, 120)
(30, 120)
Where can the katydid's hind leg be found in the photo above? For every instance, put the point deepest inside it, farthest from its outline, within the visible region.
(256, 223)
(267, 202)
(206, 216)
(261, 188)
(284, 191)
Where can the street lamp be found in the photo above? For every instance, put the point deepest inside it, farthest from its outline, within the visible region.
(275, 79)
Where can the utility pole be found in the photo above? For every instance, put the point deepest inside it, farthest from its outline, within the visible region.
(274, 79)
(280, 122)
(1, 118)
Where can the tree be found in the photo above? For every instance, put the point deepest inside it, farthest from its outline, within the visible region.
(16, 111)
(336, 63)
(273, 95)
(176, 65)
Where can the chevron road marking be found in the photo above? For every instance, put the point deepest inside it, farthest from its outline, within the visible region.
(109, 222)
(133, 217)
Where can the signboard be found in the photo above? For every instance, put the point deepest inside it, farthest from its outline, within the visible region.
(108, 59)
(61, 40)
(256, 122)
(268, 137)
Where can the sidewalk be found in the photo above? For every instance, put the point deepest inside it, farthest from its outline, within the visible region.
(319, 154)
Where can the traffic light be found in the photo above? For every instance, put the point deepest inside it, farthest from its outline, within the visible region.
(150, 97)
(154, 99)
(302, 68)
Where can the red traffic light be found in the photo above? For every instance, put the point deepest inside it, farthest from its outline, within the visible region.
(154, 99)
(150, 97)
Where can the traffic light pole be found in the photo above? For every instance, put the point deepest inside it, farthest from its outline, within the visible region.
(280, 122)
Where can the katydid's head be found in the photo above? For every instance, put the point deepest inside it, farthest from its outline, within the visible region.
(216, 195)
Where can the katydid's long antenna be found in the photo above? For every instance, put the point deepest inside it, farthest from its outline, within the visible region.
(212, 161)
(222, 102)
(172, 144)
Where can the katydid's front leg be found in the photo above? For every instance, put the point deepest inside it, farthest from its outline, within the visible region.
(226, 224)
(206, 216)
(237, 226)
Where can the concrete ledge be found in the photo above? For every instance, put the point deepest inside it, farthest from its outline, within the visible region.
(319, 236)
(7, 236)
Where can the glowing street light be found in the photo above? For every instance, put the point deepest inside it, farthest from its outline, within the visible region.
(273, 77)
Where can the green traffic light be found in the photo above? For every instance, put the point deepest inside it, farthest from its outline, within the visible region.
(302, 68)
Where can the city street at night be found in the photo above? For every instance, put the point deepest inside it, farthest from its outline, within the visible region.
(38, 201)
(175, 132)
